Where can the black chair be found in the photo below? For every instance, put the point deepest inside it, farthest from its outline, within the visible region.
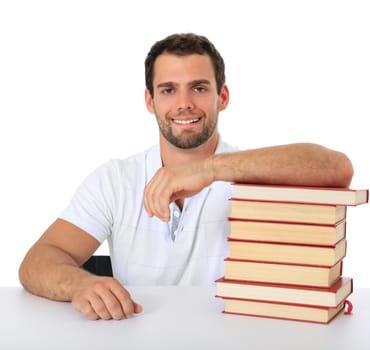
(99, 265)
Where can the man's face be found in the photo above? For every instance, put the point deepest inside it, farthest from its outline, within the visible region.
(185, 102)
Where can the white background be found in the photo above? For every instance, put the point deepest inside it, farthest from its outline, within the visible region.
(72, 88)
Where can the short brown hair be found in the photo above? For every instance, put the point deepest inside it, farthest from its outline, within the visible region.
(182, 45)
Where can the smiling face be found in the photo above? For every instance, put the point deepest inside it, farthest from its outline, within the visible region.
(185, 100)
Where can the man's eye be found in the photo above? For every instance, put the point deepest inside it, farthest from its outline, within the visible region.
(199, 89)
(167, 91)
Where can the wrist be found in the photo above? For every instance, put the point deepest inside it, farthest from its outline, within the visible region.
(210, 169)
(74, 279)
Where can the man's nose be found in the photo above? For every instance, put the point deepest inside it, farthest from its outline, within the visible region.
(185, 102)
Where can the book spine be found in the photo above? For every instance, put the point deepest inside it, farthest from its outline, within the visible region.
(231, 219)
(285, 243)
(286, 264)
(239, 199)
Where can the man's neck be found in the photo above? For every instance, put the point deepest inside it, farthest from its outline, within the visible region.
(172, 156)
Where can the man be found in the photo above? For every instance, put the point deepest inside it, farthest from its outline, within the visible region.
(164, 211)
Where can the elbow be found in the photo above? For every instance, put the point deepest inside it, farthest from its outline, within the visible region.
(22, 274)
(345, 171)
(25, 272)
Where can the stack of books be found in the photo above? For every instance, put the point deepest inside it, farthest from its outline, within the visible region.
(287, 246)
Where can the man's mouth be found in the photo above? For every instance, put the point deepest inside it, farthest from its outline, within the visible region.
(185, 122)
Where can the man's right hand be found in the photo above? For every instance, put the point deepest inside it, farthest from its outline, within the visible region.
(51, 269)
(104, 298)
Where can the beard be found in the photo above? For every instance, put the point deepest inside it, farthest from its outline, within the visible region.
(188, 138)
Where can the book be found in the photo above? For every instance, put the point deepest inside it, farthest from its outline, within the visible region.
(315, 276)
(287, 212)
(319, 195)
(287, 253)
(317, 314)
(288, 232)
(283, 293)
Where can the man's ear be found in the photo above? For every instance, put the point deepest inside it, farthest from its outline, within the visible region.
(149, 101)
(224, 98)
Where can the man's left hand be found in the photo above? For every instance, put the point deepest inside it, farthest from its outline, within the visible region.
(175, 182)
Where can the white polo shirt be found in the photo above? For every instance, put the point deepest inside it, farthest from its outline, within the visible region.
(146, 251)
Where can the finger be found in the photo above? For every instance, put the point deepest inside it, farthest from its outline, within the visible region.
(156, 196)
(163, 202)
(147, 203)
(149, 194)
(128, 306)
(164, 192)
(84, 307)
(112, 306)
(137, 308)
(99, 307)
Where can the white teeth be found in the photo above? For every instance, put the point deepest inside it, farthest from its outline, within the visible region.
(185, 122)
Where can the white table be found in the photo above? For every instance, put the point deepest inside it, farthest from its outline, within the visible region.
(174, 318)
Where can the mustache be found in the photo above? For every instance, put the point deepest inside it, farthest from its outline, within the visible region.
(187, 114)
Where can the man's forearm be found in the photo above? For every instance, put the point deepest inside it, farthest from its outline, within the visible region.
(49, 272)
(301, 164)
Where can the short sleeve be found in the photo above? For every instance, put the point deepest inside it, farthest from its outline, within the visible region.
(92, 206)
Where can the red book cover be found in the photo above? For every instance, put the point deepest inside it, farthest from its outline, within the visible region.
(272, 272)
(278, 211)
(282, 243)
(284, 293)
(283, 311)
(300, 254)
(287, 232)
(301, 194)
